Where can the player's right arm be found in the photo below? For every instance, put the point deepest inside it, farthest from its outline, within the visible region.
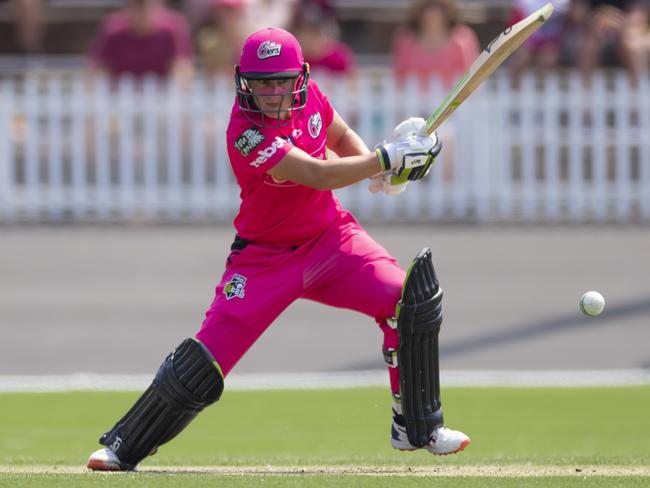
(408, 156)
(300, 167)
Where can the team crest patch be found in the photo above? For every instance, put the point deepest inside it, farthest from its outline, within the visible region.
(315, 125)
(248, 141)
(235, 287)
(268, 49)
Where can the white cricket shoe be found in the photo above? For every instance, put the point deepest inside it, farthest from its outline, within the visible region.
(105, 460)
(443, 440)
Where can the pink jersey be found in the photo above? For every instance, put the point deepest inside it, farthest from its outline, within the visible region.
(448, 62)
(273, 211)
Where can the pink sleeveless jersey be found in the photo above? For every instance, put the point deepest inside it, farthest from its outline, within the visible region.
(280, 212)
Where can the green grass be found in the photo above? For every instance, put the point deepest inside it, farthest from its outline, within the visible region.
(155, 480)
(527, 426)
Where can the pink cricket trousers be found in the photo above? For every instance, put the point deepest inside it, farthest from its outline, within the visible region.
(343, 267)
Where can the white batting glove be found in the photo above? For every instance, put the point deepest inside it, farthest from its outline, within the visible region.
(408, 154)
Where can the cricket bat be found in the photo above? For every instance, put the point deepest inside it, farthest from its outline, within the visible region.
(489, 60)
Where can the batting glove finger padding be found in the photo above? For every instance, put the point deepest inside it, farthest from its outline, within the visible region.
(411, 157)
(410, 126)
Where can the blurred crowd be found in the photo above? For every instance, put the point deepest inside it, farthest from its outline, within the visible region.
(588, 34)
(148, 37)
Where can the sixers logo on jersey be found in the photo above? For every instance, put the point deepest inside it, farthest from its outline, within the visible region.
(268, 49)
(235, 287)
(315, 125)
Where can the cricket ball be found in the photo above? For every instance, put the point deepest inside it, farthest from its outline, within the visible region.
(592, 303)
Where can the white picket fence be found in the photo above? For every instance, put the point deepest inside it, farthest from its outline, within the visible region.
(547, 150)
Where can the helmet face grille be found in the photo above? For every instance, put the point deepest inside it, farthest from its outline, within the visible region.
(273, 118)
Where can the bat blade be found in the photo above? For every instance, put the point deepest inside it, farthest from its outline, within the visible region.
(489, 60)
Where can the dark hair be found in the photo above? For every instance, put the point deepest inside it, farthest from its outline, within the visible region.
(417, 12)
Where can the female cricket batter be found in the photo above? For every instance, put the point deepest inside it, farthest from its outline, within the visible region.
(294, 240)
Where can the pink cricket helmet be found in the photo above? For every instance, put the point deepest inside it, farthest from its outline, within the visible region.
(270, 53)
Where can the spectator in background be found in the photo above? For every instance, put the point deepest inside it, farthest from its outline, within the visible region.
(586, 34)
(29, 24)
(603, 46)
(434, 44)
(264, 13)
(636, 38)
(575, 30)
(316, 27)
(617, 36)
(220, 39)
(143, 38)
(543, 48)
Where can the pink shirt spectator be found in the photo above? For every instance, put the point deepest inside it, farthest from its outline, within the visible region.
(448, 63)
(336, 58)
(120, 50)
(273, 211)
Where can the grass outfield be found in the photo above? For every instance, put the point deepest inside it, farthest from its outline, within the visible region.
(520, 437)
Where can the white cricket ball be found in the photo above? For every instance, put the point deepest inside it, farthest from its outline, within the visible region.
(592, 303)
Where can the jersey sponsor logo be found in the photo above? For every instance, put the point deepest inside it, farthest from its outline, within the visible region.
(315, 125)
(265, 154)
(235, 287)
(248, 141)
(268, 49)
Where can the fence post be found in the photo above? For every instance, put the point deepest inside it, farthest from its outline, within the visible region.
(504, 164)
(197, 120)
(480, 153)
(575, 140)
(598, 142)
(174, 126)
(31, 106)
(226, 196)
(103, 121)
(79, 153)
(54, 157)
(127, 161)
(151, 164)
(7, 172)
(551, 141)
(528, 142)
(644, 146)
(622, 89)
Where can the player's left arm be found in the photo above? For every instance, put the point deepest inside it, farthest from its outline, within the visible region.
(343, 140)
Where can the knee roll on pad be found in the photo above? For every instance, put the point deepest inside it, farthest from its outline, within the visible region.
(419, 316)
(187, 381)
